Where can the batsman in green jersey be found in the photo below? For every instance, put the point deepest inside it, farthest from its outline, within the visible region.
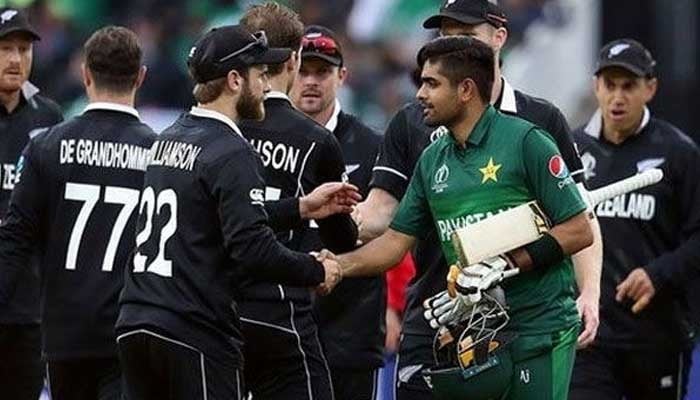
(487, 163)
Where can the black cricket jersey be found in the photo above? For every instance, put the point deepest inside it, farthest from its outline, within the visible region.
(298, 155)
(202, 228)
(351, 318)
(34, 111)
(656, 228)
(76, 199)
(404, 141)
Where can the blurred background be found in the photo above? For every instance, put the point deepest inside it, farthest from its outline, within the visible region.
(551, 51)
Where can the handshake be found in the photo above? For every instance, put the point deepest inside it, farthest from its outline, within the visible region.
(332, 269)
(465, 287)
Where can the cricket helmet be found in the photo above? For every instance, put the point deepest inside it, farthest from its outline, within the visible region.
(472, 357)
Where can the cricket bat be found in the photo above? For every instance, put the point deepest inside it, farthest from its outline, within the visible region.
(525, 223)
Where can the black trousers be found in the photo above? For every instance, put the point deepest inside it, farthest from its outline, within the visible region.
(415, 355)
(85, 379)
(604, 373)
(283, 356)
(21, 369)
(355, 384)
(156, 367)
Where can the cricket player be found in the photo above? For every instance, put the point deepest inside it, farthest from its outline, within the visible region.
(651, 236)
(405, 139)
(298, 154)
(79, 189)
(202, 230)
(23, 110)
(485, 163)
(351, 319)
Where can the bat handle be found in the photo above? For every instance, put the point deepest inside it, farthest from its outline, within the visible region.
(509, 273)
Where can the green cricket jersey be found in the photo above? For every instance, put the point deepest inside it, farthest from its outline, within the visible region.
(506, 162)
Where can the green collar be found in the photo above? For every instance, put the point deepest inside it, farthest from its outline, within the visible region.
(481, 128)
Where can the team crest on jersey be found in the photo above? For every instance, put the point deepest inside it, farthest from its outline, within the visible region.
(440, 179)
(490, 171)
(557, 167)
(257, 196)
(438, 133)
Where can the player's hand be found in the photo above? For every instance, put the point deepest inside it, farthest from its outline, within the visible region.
(328, 199)
(482, 276)
(442, 309)
(333, 272)
(588, 310)
(638, 287)
(393, 330)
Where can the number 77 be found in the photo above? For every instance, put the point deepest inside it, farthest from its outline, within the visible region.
(89, 195)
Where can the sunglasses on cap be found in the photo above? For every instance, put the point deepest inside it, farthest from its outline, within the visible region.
(320, 44)
(260, 42)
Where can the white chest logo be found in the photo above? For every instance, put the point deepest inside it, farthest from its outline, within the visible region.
(440, 178)
(350, 168)
(649, 163)
(7, 16)
(438, 133)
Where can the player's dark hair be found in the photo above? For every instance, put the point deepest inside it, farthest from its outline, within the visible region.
(281, 24)
(460, 58)
(211, 90)
(113, 57)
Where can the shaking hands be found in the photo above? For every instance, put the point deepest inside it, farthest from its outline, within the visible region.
(333, 271)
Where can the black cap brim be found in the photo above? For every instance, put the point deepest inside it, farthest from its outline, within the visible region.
(435, 22)
(35, 36)
(325, 57)
(273, 56)
(620, 64)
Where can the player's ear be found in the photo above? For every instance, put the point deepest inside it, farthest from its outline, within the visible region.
(650, 85)
(234, 81)
(466, 90)
(500, 36)
(342, 74)
(85, 74)
(141, 76)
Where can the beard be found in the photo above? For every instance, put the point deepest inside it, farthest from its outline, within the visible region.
(443, 118)
(249, 106)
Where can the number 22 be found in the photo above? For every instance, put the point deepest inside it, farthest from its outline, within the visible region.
(160, 265)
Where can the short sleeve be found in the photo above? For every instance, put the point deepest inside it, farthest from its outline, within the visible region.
(549, 178)
(561, 132)
(391, 172)
(413, 216)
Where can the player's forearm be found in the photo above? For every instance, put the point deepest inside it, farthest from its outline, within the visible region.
(376, 214)
(588, 263)
(564, 239)
(377, 256)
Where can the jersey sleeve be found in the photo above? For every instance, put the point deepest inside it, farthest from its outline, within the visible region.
(248, 240)
(559, 129)
(338, 232)
(391, 172)
(413, 216)
(22, 224)
(677, 267)
(549, 179)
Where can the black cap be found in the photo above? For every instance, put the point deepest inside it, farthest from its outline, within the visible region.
(321, 42)
(627, 54)
(468, 12)
(14, 20)
(229, 47)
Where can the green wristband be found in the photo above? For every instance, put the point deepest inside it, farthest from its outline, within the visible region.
(545, 252)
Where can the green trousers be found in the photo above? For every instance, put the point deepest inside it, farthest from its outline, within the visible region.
(542, 366)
